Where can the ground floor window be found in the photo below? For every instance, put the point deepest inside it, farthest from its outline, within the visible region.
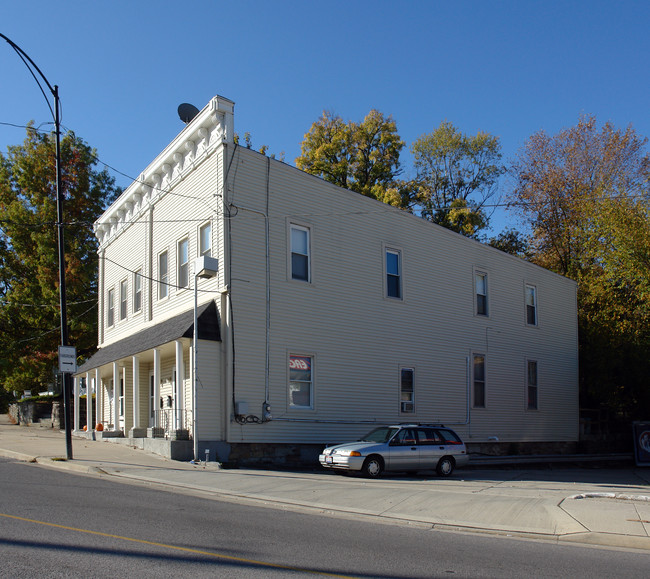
(407, 390)
(479, 381)
(301, 384)
(532, 385)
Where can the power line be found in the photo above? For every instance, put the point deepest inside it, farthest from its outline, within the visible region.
(149, 278)
(34, 338)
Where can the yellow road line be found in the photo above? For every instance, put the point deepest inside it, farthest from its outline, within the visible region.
(174, 547)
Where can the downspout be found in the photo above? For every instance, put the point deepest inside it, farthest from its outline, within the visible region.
(149, 273)
(226, 303)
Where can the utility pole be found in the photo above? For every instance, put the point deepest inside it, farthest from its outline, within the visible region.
(59, 212)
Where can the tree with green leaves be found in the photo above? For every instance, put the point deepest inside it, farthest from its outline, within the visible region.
(29, 284)
(362, 157)
(457, 174)
(512, 242)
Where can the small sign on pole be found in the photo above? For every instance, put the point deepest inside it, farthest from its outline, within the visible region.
(641, 443)
(67, 359)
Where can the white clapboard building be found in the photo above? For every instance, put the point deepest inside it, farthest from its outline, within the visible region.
(319, 313)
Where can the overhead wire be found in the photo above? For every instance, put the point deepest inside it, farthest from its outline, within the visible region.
(57, 329)
(150, 278)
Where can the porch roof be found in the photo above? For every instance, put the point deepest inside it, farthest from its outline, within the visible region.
(180, 326)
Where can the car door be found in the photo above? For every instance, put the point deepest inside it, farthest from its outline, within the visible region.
(403, 451)
(432, 447)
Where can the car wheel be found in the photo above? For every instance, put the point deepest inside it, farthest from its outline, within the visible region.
(445, 466)
(372, 467)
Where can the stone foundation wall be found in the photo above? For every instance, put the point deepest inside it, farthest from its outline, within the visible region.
(49, 414)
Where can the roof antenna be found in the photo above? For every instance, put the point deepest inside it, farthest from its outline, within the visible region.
(187, 112)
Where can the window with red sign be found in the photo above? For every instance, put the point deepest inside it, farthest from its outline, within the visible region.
(300, 382)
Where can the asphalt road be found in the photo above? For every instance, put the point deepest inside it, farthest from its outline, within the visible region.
(56, 524)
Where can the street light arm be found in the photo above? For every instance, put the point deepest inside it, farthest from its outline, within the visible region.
(28, 61)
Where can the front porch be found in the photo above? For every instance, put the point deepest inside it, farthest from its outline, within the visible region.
(172, 448)
(143, 386)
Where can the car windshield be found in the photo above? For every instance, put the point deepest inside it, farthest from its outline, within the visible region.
(382, 434)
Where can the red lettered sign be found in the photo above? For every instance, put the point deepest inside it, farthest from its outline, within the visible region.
(300, 363)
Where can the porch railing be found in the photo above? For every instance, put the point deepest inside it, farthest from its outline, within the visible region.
(171, 421)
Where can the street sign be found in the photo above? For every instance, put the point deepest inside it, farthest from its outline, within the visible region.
(67, 359)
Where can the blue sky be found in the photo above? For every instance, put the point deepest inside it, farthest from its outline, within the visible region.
(510, 68)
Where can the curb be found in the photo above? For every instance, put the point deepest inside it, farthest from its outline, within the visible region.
(616, 496)
(18, 455)
(49, 462)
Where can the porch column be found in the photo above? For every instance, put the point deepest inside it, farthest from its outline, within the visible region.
(136, 430)
(136, 392)
(116, 396)
(76, 403)
(89, 404)
(99, 397)
(178, 386)
(156, 387)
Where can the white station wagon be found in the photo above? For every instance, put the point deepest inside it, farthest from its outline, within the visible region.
(401, 447)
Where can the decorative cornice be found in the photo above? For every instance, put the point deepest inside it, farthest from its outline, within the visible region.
(210, 128)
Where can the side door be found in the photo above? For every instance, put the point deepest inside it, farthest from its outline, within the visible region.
(432, 447)
(403, 451)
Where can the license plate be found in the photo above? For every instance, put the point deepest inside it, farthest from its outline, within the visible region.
(329, 459)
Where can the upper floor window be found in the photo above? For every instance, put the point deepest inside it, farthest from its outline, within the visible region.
(300, 257)
(480, 282)
(407, 390)
(163, 275)
(301, 382)
(531, 305)
(123, 290)
(205, 240)
(183, 261)
(137, 291)
(532, 385)
(393, 274)
(479, 381)
(110, 308)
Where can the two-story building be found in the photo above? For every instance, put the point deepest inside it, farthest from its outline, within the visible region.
(320, 313)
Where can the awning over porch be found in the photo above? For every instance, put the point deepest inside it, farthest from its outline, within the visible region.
(181, 326)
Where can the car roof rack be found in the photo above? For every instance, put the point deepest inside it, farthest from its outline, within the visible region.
(438, 424)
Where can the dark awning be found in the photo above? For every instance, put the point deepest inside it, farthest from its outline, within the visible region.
(181, 326)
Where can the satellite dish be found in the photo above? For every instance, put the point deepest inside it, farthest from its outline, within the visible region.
(187, 112)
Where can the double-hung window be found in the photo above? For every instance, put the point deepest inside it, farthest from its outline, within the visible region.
(123, 297)
(137, 291)
(183, 261)
(532, 385)
(163, 275)
(531, 305)
(393, 274)
(407, 390)
(300, 256)
(301, 382)
(205, 240)
(110, 308)
(479, 381)
(481, 288)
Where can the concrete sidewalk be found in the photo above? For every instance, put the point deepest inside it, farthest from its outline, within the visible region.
(609, 507)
